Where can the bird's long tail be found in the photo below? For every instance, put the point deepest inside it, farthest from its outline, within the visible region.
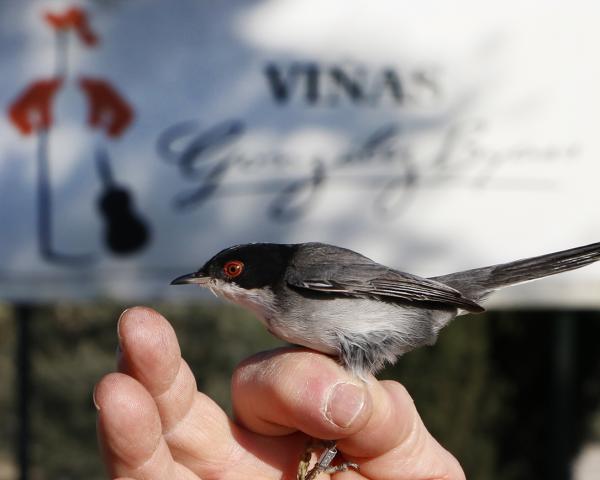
(479, 282)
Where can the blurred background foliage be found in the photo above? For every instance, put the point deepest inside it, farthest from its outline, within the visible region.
(485, 391)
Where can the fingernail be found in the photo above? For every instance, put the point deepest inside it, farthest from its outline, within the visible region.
(344, 404)
(119, 324)
(94, 399)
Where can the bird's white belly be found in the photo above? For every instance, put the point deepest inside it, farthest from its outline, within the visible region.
(322, 327)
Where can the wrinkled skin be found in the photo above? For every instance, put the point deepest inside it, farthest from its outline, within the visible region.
(154, 424)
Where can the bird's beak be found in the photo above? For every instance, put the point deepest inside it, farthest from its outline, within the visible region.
(198, 278)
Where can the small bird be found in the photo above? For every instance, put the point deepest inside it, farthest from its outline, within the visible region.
(341, 303)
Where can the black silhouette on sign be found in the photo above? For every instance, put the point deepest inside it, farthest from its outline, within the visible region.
(125, 231)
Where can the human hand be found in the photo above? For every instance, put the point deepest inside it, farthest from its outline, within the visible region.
(154, 424)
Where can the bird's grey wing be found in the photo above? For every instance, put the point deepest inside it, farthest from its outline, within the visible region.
(347, 273)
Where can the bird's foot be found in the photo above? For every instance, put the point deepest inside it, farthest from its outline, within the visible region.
(323, 464)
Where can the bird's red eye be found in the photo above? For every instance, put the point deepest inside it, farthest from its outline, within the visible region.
(233, 268)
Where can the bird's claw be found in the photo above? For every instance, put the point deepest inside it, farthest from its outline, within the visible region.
(323, 464)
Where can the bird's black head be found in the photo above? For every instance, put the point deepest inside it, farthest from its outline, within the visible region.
(253, 265)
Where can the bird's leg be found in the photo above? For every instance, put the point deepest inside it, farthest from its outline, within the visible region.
(324, 460)
(323, 464)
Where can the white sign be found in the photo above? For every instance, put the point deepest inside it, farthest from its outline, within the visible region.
(141, 138)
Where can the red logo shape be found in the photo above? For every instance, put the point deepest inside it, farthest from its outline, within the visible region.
(32, 110)
(107, 109)
(76, 19)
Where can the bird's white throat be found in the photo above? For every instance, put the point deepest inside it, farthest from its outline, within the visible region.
(261, 301)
